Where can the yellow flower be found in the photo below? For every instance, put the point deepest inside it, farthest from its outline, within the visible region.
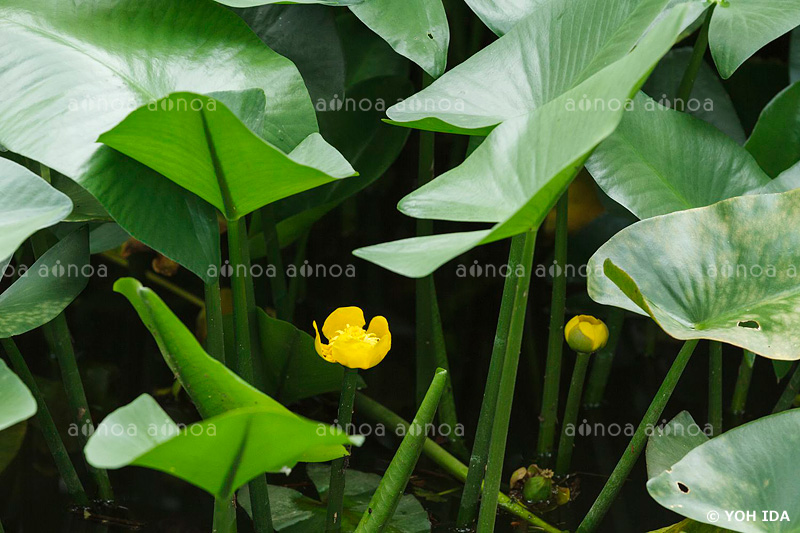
(586, 334)
(348, 343)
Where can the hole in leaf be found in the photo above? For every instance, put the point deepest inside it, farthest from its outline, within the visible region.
(750, 324)
(430, 36)
(683, 488)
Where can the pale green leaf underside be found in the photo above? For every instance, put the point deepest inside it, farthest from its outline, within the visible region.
(502, 15)
(27, 204)
(517, 174)
(206, 149)
(241, 444)
(668, 445)
(724, 272)
(659, 161)
(750, 468)
(74, 70)
(540, 59)
(47, 287)
(16, 401)
(739, 28)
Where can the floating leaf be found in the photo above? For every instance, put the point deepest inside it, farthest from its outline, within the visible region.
(775, 141)
(28, 204)
(219, 454)
(16, 401)
(739, 28)
(206, 149)
(751, 469)
(724, 273)
(47, 287)
(652, 162)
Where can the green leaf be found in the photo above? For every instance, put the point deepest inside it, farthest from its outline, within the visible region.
(667, 445)
(47, 287)
(750, 468)
(87, 64)
(690, 526)
(220, 454)
(775, 141)
(794, 57)
(517, 174)
(651, 163)
(251, 3)
(11, 440)
(416, 29)
(781, 368)
(502, 15)
(366, 54)
(28, 204)
(293, 368)
(198, 143)
(540, 59)
(724, 273)
(709, 101)
(16, 401)
(386, 499)
(739, 28)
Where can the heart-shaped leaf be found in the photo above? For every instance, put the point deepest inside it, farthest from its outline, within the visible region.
(775, 141)
(652, 162)
(47, 287)
(28, 204)
(517, 174)
(723, 273)
(739, 28)
(205, 148)
(219, 454)
(86, 65)
(750, 469)
(16, 401)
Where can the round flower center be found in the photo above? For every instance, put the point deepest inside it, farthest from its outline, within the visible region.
(354, 333)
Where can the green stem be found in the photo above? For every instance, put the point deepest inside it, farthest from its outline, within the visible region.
(157, 280)
(58, 334)
(51, 436)
(224, 516)
(339, 466)
(244, 319)
(447, 461)
(743, 380)
(789, 393)
(505, 397)
(468, 508)
(295, 283)
(571, 414)
(715, 387)
(215, 335)
(280, 293)
(614, 484)
(555, 341)
(690, 75)
(603, 361)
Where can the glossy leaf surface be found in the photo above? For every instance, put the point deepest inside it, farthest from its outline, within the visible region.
(775, 141)
(16, 401)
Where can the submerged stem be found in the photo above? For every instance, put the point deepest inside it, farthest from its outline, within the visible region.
(603, 361)
(612, 487)
(715, 387)
(571, 414)
(505, 396)
(51, 436)
(468, 508)
(339, 466)
(555, 341)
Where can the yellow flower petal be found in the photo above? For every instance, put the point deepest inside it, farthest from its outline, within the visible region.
(380, 350)
(352, 353)
(321, 348)
(341, 318)
(378, 326)
(586, 334)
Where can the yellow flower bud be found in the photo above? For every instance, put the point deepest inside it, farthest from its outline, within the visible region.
(349, 344)
(586, 334)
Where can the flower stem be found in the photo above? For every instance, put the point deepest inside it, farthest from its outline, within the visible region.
(505, 396)
(571, 414)
(339, 466)
(277, 284)
(58, 335)
(447, 461)
(614, 484)
(715, 387)
(224, 516)
(555, 341)
(215, 336)
(742, 387)
(603, 361)
(468, 508)
(244, 320)
(690, 75)
(789, 393)
(51, 436)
